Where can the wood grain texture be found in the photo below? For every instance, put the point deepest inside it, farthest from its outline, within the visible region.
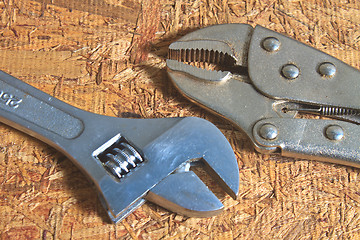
(80, 54)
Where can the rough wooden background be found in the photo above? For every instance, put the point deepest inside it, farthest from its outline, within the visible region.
(107, 57)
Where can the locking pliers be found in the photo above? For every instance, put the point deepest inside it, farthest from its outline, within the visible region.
(128, 160)
(265, 82)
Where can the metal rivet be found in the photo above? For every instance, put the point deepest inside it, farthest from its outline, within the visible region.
(271, 44)
(268, 131)
(290, 71)
(327, 69)
(334, 132)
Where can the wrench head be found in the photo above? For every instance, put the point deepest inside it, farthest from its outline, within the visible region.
(161, 177)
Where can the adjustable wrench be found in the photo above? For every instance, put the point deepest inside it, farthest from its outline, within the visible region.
(128, 160)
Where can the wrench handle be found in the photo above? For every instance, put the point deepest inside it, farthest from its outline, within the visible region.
(35, 112)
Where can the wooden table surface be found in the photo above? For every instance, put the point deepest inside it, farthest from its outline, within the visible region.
(107, 57)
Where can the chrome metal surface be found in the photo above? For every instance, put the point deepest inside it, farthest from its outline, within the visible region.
(274, 79)
(127, 159)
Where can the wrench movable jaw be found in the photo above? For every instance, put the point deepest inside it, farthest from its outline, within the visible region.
(186, 194)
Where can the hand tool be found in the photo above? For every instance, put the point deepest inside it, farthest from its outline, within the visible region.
(128, 160)
(265, 83)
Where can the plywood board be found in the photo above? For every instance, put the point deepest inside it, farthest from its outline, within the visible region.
(82, 52)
